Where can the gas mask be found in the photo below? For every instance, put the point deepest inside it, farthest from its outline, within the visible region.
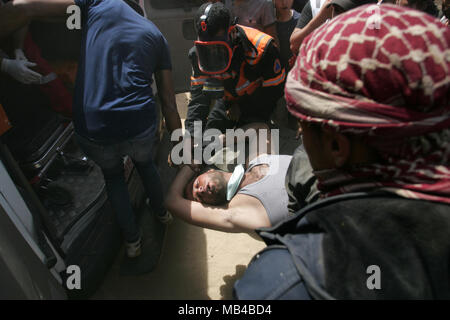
(214, 57)
(214, 53)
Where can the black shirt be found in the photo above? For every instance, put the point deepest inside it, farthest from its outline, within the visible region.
(284, 31)
(305, 16)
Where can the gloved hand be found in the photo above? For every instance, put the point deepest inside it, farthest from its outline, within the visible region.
(20, 55)
(20, 70)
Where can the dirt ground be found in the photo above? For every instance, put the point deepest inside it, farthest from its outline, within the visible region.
(196, 263)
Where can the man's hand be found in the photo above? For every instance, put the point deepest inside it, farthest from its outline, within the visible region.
(20, 70)
(196, 167)
(234, 113)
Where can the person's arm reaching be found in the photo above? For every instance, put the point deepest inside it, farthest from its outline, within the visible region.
(305, 18)
(298, 35)
(20, 67)
(18, 13)
(20, 70)
(166, 94)
(19, 39)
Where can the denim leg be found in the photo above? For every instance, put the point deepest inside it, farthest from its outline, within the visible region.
(119, 197)
(109, 159)
(142, 154)
(271, 276)
(153, 186)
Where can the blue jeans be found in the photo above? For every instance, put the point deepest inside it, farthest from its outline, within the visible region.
(271, 276)
(109, 157)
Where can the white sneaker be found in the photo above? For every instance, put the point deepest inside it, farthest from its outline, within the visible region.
(133, 248)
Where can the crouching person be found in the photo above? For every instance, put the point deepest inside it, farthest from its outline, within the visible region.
(377, 136)
(237, 77)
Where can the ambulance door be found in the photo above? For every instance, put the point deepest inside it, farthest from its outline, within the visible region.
(23, 274)
(175, 19)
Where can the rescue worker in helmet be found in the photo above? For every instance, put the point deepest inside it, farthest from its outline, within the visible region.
(237, 75)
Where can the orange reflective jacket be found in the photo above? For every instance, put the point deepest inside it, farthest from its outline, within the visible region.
(255, 64)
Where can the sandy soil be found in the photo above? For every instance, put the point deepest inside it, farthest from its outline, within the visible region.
(196, 263)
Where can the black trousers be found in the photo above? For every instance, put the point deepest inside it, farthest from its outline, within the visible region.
(216, 117)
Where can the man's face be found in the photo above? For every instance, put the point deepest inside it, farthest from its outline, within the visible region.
(283, 4)
(208, 188)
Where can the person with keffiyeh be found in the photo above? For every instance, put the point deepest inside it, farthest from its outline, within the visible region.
(372, 92)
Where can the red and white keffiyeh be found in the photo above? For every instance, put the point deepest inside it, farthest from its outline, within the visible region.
(383, 73)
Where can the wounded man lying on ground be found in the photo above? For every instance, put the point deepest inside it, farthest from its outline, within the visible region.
(242, 201)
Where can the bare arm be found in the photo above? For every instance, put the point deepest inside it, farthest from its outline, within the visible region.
(167, 95)
(19, 37)
(206, 216)
(298, 35)
(296, 39)
(18, 13)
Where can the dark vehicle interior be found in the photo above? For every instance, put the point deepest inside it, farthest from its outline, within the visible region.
(64, 190)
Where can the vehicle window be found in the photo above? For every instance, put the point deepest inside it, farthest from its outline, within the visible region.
(174, 4)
